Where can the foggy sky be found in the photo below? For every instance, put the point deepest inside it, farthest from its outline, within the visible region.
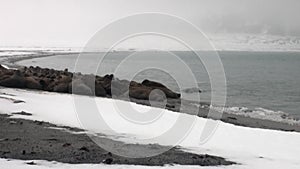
(73, 22)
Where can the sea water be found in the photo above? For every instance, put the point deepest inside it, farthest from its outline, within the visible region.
(258, 83)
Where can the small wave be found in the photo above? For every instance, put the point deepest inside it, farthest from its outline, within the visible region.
(260, 113)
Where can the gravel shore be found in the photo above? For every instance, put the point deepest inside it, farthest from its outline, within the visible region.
(37, 140)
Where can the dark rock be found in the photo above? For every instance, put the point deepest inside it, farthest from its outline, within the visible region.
(23, 113)
(232, 118)
(5, 139)
(170, 106)
(5, 152)
(38, 122)
(66, 145)
(109, 154)
(31, 163)
(18, 101)
(16, 139)
(108, 161)
(84, 149)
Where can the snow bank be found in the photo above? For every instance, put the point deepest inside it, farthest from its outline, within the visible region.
(18, 164)
(252, 148)
(39, 49)
(14, 53)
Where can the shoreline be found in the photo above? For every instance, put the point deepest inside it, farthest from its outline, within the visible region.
(13, 59)
(174, 105)
(37, 140)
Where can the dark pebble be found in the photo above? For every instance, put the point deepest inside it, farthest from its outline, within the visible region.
(18, 101)
(66, 145)
(84, 149)
(31, 163)
(108, 161)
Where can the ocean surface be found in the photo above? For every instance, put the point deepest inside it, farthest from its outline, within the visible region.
(259, 84)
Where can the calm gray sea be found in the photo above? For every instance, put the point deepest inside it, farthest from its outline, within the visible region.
(267, 82)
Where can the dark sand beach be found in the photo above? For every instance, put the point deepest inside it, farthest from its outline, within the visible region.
(37, 140)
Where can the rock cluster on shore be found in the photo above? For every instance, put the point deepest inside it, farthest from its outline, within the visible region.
(67, 82)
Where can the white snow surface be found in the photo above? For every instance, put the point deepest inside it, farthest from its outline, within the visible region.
(27, 49)
(250, 147)
(14, 53)
(18, 164)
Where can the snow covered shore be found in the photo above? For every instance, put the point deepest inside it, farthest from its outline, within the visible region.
(252, 148)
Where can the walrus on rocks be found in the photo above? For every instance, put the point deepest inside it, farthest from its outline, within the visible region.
(155, 85)
(17, 80)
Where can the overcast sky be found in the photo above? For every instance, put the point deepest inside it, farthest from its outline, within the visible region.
(73, 22)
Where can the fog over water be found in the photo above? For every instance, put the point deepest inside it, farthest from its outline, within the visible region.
(74, 22)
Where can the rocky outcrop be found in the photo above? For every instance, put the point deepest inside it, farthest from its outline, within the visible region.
(66, 82)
